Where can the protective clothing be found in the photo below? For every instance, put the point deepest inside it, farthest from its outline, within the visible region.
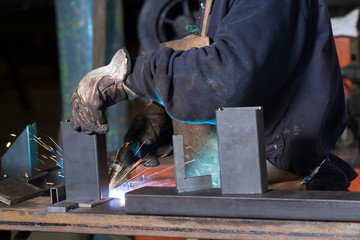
(147, 126)
(278, 54)
(98, 90)
(151, 130)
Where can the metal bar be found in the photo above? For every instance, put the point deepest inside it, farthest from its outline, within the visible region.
(186, 184)
(85, 165)
(57, 194)
(110, 218)
(298, 205)
(63, 207)
(241, 144)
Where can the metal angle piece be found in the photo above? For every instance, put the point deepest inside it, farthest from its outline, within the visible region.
(186, 184)
(21, 159)
(13, 190)
(85, 165)
(241, 145)
(294, 205)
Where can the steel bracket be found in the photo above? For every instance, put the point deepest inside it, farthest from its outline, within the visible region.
(186, 184)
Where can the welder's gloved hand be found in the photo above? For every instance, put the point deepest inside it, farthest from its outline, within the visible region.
(98, 90)
(152, 130)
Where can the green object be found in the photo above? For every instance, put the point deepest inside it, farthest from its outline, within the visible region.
(75, 20)
(194, 29)
(117, 115)
(207, 163)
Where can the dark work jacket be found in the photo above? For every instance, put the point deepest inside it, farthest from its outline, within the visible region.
(279, 54)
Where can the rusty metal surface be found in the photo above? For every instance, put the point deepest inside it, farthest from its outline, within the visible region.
(109, 218)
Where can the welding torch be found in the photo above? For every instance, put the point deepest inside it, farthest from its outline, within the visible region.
(118, 163)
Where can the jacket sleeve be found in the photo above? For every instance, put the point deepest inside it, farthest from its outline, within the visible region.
(256, 46)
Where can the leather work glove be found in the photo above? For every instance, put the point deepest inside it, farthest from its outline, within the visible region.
(98, 90)
(152, 131)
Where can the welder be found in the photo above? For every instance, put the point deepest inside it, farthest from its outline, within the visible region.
(278, 54)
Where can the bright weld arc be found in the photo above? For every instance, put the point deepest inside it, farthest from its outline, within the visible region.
(124, 185)
(141, 181)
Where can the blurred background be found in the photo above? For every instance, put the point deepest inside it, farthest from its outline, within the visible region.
(47, 46)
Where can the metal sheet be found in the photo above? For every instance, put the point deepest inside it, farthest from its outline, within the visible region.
(241, 150)
(21, 158)
(186, 184)
(13, 191)
(85, 165)
(298, 205)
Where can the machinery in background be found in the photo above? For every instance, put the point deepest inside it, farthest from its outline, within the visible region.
(351, 78)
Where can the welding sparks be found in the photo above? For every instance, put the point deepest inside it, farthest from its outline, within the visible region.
(8, 144)
(56, 144)
(52, 148)
(12, 135)
(137, 176)
(139, 148)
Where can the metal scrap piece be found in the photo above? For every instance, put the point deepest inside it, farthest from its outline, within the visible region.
(14, 191)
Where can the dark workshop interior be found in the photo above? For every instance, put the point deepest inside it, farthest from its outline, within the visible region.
(30, 80)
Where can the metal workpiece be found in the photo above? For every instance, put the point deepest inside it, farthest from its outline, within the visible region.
(57, 194)
(241, 142)
(200, 150)
(13, 191)
(110, 218)
(295, 205)
(184, 184)
(21, 159)
(62, 207)
(85, 165)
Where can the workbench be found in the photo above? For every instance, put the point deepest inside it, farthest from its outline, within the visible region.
(110, 218)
